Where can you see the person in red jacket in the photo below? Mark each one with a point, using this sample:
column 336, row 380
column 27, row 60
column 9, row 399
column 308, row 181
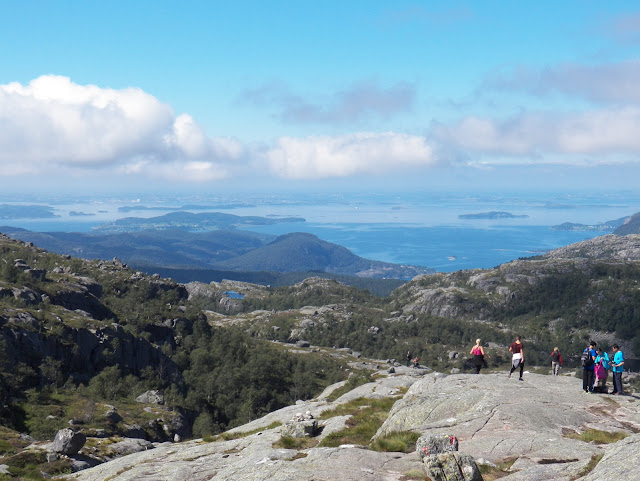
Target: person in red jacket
column 556, row 361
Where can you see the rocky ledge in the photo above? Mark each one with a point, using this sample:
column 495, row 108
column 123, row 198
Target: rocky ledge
column 534, row 426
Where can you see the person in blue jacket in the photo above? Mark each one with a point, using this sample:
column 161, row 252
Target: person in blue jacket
column 618, row 369
column 587, row 367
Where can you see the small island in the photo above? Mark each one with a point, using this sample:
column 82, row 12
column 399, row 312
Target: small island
column 493, row 215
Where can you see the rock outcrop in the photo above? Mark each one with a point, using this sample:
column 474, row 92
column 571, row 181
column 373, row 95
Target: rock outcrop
column 67, row 441
column 533, row 423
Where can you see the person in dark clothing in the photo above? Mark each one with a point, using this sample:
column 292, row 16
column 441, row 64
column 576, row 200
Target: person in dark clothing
column 517, row 360
column 408, row 358
column 588, row 363
column 556, row 361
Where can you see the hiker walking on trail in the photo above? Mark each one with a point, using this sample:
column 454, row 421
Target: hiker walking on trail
column 517, row 360
column 618, row 369
column 587, row 360
column 478, row 356
column 556, row 361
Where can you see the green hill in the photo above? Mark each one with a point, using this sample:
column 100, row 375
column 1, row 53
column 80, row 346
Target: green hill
column 630, row 226
column 306, row 252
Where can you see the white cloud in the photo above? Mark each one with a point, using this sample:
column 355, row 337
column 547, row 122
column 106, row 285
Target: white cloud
column 603, row 133
column 53, row 121
column 361, row 153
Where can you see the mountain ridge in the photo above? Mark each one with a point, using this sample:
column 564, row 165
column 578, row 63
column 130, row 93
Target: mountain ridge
column 218, row 249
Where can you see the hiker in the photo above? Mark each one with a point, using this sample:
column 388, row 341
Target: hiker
column 415, row 362
column 478, row 356
column 587, row 361
column 618, row 369
column 408, row 358
column 556, row 361
column 517, row 360
column 601, row 369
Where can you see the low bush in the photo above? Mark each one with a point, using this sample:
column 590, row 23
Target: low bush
column 399, row 441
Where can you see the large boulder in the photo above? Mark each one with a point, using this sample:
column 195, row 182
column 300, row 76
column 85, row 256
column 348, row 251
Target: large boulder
column 452, row 466
column 151, row 397
column 68, row 442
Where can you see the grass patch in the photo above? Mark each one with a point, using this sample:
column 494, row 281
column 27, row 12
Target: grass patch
column 593, row 462
column 297, row 456
column 399, row 441
column 352, row 383
column 413, row 474
column 599, row 437
column 288, row 442
column 500, row 470
column 367, row 415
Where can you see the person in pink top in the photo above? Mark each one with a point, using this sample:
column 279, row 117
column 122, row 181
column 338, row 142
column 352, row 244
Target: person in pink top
column 478, row 356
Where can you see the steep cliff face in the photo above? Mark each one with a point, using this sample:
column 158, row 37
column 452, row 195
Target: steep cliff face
column 75, row 312
column 83, row 352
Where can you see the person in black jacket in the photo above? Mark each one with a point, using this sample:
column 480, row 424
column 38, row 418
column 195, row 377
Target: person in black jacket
column 556, row 361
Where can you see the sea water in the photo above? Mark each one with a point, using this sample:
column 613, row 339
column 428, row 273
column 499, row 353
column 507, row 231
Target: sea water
column 416, row 228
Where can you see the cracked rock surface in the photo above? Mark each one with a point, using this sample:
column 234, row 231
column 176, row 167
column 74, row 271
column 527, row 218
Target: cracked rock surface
column 493, row 418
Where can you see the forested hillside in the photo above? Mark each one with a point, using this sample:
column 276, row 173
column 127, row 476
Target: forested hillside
column 80, row 340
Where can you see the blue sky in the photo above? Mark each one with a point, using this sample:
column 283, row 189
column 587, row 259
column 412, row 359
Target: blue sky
column 319, row 94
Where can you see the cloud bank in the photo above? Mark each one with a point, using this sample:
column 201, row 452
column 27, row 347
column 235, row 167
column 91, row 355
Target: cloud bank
column 54, row 122
column 361, row 153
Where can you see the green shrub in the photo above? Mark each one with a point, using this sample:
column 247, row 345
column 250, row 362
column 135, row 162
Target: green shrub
column 288, row 442
column 367, row 415
column 599, row 437
column 399, row 441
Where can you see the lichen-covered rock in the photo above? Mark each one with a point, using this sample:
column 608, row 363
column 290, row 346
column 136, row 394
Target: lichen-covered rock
column 452, row 467
column 432, row 445
column 128, row 446
column 67, row 441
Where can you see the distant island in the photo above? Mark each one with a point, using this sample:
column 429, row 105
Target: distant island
column 608, row 226
column 75, row 213
column 131, row 208
column 190, row 221
column 492, row 215
column 12, row 211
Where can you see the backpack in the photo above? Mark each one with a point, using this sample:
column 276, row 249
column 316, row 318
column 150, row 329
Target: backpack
column 586, row 360
column 600, row 371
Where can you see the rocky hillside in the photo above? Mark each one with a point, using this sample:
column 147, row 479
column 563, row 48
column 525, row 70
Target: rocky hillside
column 540, row 429
column 81, row 340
